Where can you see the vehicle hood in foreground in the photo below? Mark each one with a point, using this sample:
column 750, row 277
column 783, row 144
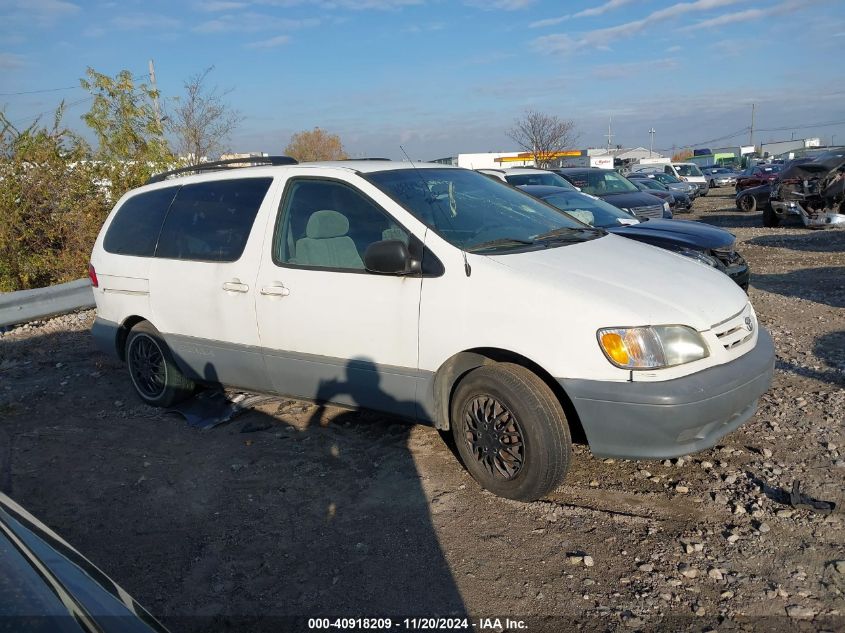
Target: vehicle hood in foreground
column 624, row 282
column 681, row 232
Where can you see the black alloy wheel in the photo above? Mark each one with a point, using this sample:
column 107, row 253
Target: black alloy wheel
column 494, row 436
column 147, row 366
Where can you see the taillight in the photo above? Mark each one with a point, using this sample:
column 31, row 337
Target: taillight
column 92, row 275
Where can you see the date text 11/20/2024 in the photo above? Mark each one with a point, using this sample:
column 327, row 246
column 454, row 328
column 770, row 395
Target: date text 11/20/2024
column 418, row 624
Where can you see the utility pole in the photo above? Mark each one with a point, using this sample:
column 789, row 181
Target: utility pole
column 651, row 147
column 155, row 89
column 609, row 134
column 751, row 131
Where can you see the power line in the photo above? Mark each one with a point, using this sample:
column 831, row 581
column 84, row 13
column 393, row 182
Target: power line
column 35, row 92
column 43, row 90
column 70, row 104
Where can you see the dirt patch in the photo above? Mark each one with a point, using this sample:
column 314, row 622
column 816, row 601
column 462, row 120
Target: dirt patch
column 330, row 512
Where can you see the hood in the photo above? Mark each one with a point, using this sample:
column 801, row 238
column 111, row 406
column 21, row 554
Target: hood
column 681, row 232
column 632, row 199
column 807, row 171
column 625, row 282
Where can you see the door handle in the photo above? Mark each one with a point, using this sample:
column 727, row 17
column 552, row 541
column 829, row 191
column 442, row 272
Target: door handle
column 275, row 291
column 235, row 285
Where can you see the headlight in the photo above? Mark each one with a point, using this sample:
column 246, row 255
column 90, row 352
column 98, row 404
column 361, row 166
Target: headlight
column 652, row 347
column 665, row 206
column 701, row 258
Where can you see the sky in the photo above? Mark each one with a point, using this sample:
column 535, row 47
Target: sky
column 442, row 77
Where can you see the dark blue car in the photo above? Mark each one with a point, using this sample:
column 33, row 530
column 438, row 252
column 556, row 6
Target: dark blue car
column 706, row 244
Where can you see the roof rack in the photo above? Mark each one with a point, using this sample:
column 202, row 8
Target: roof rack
column 374, row 158
column 229, row 163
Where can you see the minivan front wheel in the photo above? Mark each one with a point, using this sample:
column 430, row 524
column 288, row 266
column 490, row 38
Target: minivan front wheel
column 156, row 378
column 510, row 431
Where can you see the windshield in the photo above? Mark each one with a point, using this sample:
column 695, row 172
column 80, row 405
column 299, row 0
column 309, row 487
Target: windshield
column 666, row 179
column 541, row 178
column 600, row 182
column 769, row 169
column 590, row 210
column 474, row 212
column 719, row 170
column 687, row 170
column 648, row 183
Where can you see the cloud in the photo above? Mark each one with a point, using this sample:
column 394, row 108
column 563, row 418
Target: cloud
column 220, row 5
column 40, row 12
column 252, row 23
column 273, row 42
column 602, row 38
column 138, row 21
column 11, row 61
column 610, row 5
column 499, row 5
column 633, row 69
column 745, row 16
column 424, row 28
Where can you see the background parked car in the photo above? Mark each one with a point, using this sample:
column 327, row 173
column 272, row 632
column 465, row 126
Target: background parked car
column 528, row 176
column 669, row 181
column 708, row 245
column 753, row 198
column 678, row 201
column 719, row 176
column 757, row 175
column 617, row 190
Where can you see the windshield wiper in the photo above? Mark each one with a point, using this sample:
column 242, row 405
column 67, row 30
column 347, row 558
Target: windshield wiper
column 502, row 241
column 562, row 231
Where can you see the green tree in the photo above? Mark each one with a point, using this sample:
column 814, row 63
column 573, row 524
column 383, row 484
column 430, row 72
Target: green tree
column 51, row 206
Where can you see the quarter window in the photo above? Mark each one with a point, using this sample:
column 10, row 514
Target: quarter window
column 137, row 223
column 327, row 224
column 211, row 221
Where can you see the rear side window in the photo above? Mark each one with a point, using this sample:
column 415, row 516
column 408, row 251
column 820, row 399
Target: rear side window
column 211, row 221
column 137, row 223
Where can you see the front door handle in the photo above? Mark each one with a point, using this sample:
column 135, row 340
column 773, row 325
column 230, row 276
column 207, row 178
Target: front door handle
column 235, row 285
column 275, row 291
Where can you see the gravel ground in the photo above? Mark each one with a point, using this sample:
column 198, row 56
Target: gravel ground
column 293, row 509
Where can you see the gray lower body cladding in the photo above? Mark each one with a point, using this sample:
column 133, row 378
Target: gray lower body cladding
column 630, row 419
column 658, row 420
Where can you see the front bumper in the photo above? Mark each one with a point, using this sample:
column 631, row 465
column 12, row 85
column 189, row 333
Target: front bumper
column 659, row 420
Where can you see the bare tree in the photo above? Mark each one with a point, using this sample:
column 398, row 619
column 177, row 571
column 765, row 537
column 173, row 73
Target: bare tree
column 315, row 144
column 543, row 135
column 201, row 120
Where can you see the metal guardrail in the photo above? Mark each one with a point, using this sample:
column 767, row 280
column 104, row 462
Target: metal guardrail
column 41, row 303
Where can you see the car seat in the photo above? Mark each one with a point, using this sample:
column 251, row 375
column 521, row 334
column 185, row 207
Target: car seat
column 326, row 243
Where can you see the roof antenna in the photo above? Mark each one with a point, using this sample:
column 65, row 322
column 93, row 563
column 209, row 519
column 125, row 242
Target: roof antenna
column 467, row 267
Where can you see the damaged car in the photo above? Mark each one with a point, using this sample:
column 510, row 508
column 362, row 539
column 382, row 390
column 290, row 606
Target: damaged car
column 814, row 191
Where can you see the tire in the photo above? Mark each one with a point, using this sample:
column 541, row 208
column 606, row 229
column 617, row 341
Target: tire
column 154, row 374
column 712, row 184
column 526, row 415
column 770, row 218
column 748, row 204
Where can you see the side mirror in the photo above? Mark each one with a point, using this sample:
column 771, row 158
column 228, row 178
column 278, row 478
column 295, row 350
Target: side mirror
column 390, row 257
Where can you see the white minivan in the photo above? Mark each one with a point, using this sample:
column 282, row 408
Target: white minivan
column 433, row 293
column 687, row 172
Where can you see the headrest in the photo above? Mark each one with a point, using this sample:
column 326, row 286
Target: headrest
column 325, row 224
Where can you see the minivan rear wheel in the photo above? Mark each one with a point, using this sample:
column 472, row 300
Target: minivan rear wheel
column 156, row 378
column 510, row 431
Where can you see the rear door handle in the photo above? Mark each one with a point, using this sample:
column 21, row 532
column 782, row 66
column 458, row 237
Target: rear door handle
column 235, row 285
column 275, row 291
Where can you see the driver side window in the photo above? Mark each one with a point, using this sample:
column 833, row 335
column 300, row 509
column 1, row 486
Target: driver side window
column 328, row 224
